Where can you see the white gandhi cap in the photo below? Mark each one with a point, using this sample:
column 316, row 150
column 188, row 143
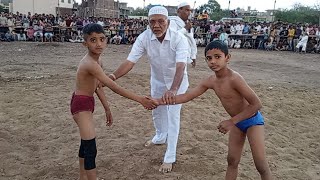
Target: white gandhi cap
column 158, row 10
column 183, row 4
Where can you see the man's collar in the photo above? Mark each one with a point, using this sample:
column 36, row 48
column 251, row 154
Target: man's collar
column 167, row 36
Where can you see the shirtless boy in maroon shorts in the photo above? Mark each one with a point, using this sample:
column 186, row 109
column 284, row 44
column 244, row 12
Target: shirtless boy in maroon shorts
column 89, row 75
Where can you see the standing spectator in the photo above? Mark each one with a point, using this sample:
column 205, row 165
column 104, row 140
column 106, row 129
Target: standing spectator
column 25, row 21
column 291, row 33
column 246, row 28
column 182, row 24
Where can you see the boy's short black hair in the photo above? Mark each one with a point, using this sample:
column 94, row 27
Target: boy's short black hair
column 92, row 28
column 217, row 44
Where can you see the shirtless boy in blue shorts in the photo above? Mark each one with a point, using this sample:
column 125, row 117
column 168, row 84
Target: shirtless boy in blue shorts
column 240, row 102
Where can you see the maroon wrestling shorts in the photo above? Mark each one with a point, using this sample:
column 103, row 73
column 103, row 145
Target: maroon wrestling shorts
column 81, row 103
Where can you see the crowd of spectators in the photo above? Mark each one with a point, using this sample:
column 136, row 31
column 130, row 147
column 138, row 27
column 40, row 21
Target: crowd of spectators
column 237, row 34
column 278, row 35
column 44, row 27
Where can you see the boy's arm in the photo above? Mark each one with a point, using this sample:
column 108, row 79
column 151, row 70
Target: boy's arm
column 189, row 95
column 247, row 93
column 104, row 102
column 96, row 70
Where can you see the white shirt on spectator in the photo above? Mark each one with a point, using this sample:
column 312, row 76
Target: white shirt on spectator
column 101, row 23
column 232, row 29
column 3, row 20
column 304, row 39
column 117, row 37
column 10, row 23
column 162, row 57
column 239, row 28
column 177, row 24
column 258, row 28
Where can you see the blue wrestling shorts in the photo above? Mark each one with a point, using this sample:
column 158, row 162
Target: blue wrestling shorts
column 255, row 120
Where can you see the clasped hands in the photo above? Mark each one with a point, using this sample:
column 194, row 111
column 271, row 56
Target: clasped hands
column 151, row 103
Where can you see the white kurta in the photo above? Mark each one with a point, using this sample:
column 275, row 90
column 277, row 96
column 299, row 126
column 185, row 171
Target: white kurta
column 177, row 24
column 163, row 58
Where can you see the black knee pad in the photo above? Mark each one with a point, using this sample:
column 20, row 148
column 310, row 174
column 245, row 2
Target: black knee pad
column 81, row 150
column 90, row 153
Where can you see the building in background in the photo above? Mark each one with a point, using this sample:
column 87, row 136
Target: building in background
column 125, row 11
column 54, row 7
column 99, row 8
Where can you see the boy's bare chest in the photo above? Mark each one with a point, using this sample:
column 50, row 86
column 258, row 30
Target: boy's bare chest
column 224, row 90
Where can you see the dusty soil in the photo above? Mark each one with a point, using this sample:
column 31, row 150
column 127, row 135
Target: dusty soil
column 39, row 139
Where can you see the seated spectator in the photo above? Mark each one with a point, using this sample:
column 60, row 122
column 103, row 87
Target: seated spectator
column 237, row 44
column 38, row 32
column 116, row 39
column 30, row 34
column 9, row 37
column 303, row 42
column 318, row 35
column 131, row 39
column 200, row 41
column 317, row 48
column 232, row 42
column 269, row 44
column 247, row 45
column 21, row 36
column 48, row 33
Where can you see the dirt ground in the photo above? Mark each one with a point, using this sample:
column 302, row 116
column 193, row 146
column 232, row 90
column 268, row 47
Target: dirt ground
column 39, row 139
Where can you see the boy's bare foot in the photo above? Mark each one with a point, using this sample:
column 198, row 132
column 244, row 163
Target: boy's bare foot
column 166, row 167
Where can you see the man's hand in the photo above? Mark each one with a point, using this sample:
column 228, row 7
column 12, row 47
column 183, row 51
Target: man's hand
column 109, row 117
column 112, row 76
column 149, row 103
column 169, row 97
column 225, row 126
column 193, row 63
column 188, row 26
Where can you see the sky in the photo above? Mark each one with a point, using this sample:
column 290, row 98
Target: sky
column 260, row 5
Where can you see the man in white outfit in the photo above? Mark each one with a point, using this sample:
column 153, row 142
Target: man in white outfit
column 181, row 24
column 303, row 42
column 167, row 52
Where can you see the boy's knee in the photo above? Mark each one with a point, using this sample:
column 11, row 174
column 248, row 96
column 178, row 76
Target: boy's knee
column 89, row 152
column 262, row 167
column 233, row 161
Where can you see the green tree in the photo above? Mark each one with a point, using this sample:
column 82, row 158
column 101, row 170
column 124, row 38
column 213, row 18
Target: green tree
column 1, row 8
column 139, row 12
column 214, row 10
column 211, row 6
column 299, row 13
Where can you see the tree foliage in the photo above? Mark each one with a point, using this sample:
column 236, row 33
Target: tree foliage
column 139, row 12
column 214, row 10
column 211, row 6
column 1, row 8
column 299, row 13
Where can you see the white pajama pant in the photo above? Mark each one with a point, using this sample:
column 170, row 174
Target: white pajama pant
column 304, row 46
column 166, row 121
